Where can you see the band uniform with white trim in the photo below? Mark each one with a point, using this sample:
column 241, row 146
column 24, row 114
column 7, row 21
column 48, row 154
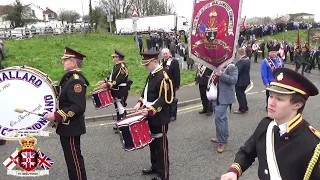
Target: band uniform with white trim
column 297, row 150
column 159, row 96
column 297, row 145
column 117, row 82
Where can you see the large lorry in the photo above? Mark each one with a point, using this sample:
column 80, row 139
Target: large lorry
column 166, row 22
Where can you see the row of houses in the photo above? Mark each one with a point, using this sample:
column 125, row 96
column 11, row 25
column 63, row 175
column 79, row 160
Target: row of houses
column 39, row 14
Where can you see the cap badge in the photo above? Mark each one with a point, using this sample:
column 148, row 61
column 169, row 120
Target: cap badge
column 280, row 77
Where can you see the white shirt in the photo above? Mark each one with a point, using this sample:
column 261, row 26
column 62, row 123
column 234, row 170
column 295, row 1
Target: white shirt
column 283, row 128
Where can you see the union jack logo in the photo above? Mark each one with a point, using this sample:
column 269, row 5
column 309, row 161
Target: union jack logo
column 28, row 160
column 44, row 162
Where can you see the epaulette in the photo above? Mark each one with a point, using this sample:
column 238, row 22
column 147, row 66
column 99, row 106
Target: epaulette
column 123, row 69
column 76, row 76
column 314, row 131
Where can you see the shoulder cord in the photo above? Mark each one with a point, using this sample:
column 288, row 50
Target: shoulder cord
column 312, row 163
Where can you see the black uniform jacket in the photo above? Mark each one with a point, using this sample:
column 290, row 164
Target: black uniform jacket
column 72, row 104
column 160, row 91
column 173, row 71
column 294, row 151
column 203, row 75
column 119, row 78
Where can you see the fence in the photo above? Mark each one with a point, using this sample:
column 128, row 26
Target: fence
column 22, row 33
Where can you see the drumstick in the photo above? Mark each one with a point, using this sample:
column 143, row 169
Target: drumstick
column 136, row 113
column 131, row 109
column 20, row 109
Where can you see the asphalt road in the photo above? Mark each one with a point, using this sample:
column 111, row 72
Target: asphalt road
column 192, row 155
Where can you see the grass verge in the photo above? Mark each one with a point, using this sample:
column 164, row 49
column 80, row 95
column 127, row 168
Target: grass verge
column 44, row 53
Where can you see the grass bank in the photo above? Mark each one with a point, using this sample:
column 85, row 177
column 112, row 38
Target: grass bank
column 44, row 53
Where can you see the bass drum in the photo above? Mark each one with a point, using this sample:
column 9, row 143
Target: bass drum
column 28, row 88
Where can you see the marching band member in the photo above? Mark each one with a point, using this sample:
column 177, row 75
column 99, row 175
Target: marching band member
column 117, row 83
column 70, row 116
column 155, row 100
column 269, row 64
column 172, row 68
column 287, row 146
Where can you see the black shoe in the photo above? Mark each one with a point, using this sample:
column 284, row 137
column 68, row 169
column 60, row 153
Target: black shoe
column 3, row 142
column 209, row 113
column 115, row 128
column 149, row 171
column 203, row 112
column 173, row 118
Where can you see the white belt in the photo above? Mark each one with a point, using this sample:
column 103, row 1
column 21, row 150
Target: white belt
column 123, row 84
column 159, row 135
column 270, row 152
column 148, row 104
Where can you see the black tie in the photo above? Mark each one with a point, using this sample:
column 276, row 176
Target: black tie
column 276, row 131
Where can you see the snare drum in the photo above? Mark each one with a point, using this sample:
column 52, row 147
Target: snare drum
column 102, row 98
column 134, row 132
column 30, row 88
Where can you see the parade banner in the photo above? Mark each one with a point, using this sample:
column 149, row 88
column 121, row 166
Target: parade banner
column 215, row 29
column 313, row 36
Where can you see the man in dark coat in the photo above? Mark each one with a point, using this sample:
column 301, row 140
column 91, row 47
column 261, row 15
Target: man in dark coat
column 243, row 66
column 172, row 68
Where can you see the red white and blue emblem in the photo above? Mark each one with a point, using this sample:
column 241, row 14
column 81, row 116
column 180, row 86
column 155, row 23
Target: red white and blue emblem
column 28, row 159
column 44, row 162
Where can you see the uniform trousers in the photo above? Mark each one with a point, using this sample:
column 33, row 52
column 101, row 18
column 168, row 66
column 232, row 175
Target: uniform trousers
column 74, row 159
column 159, row 151
column 119, row 104
column 174, row 106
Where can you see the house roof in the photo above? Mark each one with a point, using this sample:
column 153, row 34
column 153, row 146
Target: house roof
column 301, row 14
column 48, row 11
column 2, row 8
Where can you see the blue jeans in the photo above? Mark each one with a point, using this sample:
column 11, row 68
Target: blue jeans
column 221, row 122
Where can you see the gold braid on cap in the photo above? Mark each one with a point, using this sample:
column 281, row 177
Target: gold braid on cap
column 165, row 86
column 312, row 163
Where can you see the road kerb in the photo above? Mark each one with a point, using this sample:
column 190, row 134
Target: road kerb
column 111, row 116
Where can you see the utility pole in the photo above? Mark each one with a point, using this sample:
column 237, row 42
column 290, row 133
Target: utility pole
column 82, row 12
column 109, row 19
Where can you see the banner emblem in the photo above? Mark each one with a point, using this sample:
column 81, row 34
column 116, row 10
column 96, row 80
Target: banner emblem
column 214, row 32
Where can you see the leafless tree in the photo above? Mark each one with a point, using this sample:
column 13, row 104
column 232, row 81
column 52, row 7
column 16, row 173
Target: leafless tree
column 62, row 15
column 124, row 8
column 72, row 16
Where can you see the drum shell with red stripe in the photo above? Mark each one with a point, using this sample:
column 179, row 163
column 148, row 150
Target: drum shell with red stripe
column 102, row 98
column 134, row 132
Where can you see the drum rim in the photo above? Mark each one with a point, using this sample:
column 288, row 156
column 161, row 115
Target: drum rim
column 130, row 123
column 40, row 73
column 48, row 81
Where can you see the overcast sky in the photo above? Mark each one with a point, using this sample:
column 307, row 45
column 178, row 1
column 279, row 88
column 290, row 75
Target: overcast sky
column 250, row 8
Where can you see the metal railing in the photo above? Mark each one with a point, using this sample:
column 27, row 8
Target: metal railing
column 29, row 33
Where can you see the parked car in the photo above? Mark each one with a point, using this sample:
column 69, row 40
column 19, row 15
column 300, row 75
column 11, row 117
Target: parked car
column 2, row 51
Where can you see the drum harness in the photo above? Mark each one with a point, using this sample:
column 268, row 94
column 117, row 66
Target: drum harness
column 148, row 104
